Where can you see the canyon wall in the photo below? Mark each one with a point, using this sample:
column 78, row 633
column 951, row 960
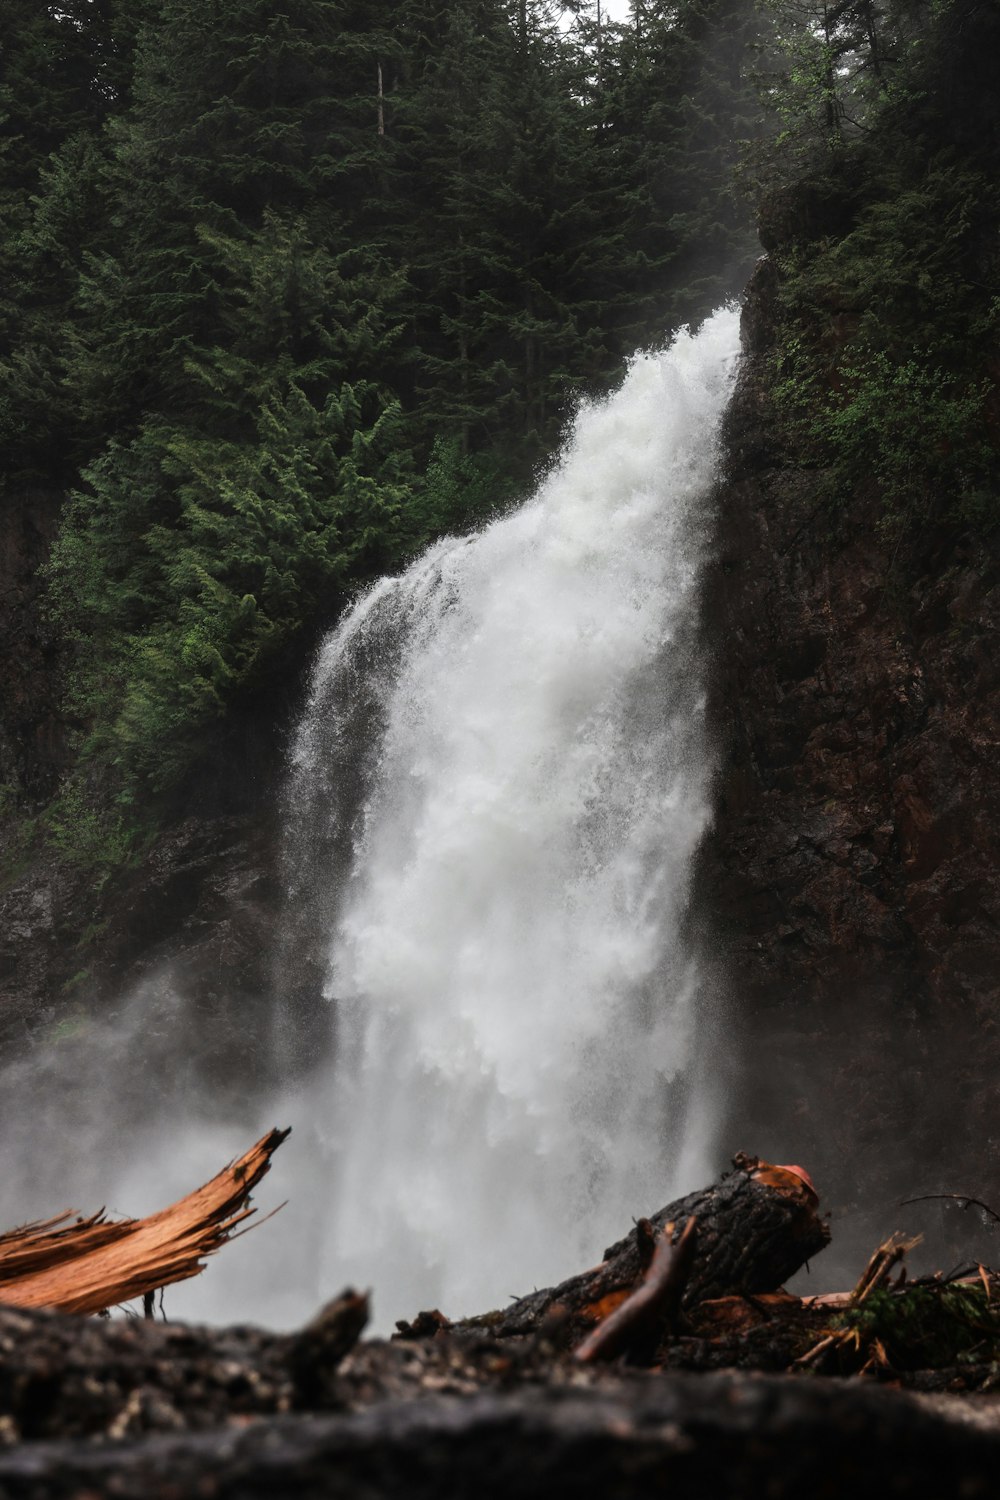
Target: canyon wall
column 854, row 871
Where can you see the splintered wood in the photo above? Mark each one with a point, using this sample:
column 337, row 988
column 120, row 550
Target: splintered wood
column 92, row 1263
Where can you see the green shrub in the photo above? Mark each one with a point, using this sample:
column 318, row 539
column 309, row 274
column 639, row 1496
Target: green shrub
column 882, row 372
column 929, row 1327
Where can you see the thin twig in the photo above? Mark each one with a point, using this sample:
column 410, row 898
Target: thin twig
column 962, row 1198
column 640, row 1319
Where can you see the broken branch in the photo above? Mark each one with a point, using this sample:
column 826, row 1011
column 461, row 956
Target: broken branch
column 637, row 1326
column 94, row 1263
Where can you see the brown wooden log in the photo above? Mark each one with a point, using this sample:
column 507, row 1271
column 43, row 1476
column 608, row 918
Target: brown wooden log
column 756, row 1227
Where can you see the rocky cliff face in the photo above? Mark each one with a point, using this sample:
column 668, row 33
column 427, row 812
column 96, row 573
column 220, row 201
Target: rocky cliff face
column 855, row 866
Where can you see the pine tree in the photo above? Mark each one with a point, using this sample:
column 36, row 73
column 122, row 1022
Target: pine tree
column 499, row 244
column 677, row 107
column 292, row 289
column 66, row 69
column 197, row 550
column 831, row 68
column 232, row 347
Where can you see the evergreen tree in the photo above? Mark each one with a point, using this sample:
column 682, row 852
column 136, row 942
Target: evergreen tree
column 831, row 68
column 289, row 290
column 500, row 243
column 197, row 550
column 677, row 107
column 65, row 69
column 231, row 347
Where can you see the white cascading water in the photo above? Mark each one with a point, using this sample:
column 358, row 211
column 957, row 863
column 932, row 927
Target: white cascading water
column 503, row 870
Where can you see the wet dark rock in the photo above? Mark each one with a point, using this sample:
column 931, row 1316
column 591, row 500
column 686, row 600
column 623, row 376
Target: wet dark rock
column 854, row 871
column 196, row 918
column 204, row 899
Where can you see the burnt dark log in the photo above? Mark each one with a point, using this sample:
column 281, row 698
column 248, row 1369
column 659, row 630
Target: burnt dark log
column 315, row 1354
column 70, row 1377
column 65, row 1376
column 731, row 1436
column 756, row 1227
column 156, row 1411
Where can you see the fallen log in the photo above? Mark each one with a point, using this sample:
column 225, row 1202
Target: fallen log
column 84, row 1265
column 756, row 1226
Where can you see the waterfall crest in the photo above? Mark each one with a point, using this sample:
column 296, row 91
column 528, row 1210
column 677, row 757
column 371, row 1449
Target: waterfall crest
column 495, row 796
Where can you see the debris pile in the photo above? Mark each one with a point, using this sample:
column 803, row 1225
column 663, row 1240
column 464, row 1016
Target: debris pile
column 639, row 1374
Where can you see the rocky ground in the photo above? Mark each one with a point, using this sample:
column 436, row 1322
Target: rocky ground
column 141, row 1409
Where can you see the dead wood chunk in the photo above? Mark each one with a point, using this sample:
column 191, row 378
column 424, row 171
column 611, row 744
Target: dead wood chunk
column 756, row 1226
column 646, row 1239
column 424, row 1326
column 314, row 1353
column 719, row 1316
column 91, row 1264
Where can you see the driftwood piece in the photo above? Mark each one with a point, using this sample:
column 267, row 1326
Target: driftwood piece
column 92, row 1263
column 756, row 1226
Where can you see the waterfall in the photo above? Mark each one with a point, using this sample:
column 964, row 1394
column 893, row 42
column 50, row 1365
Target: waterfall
column 495, row 797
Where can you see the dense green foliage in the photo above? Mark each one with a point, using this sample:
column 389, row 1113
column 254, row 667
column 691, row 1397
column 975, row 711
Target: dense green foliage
column 291, row 290
column 288, row 291
column 887, row 249
column 927, row 1327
